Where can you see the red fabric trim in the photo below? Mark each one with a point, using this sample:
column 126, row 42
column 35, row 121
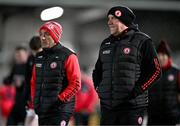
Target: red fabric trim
column 178, row 80
column 154, row 76
column 33, row 82
column 74, row 78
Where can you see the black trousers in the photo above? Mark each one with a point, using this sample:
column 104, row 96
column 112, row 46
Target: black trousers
column 162, row 119
column 57, row 114
column 81, row 119
column 62, row 119
column 122, row 117
column 17, row 115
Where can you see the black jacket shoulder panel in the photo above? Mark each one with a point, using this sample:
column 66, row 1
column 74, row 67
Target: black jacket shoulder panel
column 106, row 40
column 143, row 35
column 175, row 67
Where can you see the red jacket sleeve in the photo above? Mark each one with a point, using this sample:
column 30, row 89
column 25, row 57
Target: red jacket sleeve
column 179, row 81
column 92, row 97
column 33, row 82
column 73, row 74
column 86, row 98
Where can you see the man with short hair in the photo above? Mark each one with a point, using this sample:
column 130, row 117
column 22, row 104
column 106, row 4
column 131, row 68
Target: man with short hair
column 35, row 46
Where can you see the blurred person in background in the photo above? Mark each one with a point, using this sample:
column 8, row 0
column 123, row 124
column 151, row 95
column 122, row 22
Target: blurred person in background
column 17, row 78
column 35, row 47
column 7, row 99
column 55, row 79
column 164, row 105
column 86, row 101
column 126, row 68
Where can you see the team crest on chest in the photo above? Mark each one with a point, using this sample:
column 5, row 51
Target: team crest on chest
column 140, row 120
column 63, row 123
column 170, row 77
column 126, row 50
column 53, row 65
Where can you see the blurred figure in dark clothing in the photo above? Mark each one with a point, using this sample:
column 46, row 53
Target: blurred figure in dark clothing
column 17, row 78
column 35, row 46
column 164, row 106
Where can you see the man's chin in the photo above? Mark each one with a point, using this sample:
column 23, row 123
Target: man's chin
column 112, row 31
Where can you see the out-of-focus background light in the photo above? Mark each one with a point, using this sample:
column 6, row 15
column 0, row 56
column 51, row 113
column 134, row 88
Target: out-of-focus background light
column 51, row 13
column 84, row 25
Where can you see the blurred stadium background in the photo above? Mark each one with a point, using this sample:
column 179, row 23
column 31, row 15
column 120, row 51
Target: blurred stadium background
column 84, row 25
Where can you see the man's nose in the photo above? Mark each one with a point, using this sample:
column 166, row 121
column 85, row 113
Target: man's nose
column 43, row 37
column 109, row 22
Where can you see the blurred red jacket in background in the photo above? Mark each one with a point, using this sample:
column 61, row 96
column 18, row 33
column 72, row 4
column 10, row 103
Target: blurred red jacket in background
column 7, row 99
column 86, row 98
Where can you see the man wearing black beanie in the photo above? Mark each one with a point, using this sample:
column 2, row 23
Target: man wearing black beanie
column 126, row 68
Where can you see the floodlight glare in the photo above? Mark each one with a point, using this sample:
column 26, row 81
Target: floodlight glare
column 51, row 13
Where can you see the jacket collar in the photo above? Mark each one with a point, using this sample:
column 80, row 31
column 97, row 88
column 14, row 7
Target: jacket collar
column 52, row 49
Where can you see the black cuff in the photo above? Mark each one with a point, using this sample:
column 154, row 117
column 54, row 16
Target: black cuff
column 59, row 102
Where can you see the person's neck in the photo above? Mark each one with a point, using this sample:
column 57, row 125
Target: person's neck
column 167, row 65
column 121, row 32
